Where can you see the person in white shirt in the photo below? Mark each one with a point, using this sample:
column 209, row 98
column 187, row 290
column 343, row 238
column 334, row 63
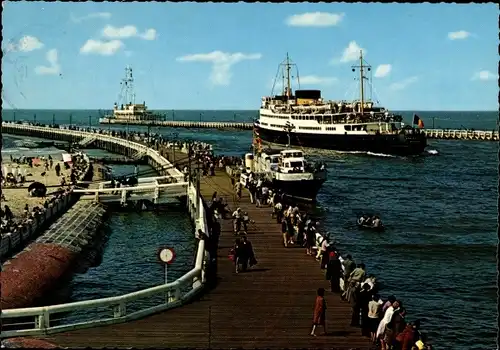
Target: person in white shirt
column 383, row 323
column 374, row 309
column 237, row 221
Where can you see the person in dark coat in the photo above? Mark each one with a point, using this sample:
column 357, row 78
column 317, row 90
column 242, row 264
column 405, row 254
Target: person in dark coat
column 349, row 266
column 310, row 239
column 300, row 230
column 360, row 300
column 333, row 272
column 365, row 295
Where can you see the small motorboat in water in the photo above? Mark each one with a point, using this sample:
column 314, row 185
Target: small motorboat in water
column 370, row 223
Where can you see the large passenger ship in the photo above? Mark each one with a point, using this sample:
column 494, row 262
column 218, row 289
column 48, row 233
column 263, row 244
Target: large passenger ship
column 305, row 119
column 128, row 110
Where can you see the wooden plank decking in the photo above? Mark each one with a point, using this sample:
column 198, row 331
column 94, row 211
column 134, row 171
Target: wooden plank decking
column 269, row 307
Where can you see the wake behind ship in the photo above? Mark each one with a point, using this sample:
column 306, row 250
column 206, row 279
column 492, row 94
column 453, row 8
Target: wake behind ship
column 305, row 119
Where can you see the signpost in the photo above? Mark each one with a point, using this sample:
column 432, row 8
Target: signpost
column 166, row 255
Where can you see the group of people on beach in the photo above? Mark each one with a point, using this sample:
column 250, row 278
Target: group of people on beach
column 10, row 222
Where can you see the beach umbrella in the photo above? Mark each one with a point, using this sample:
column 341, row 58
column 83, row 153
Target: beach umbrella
column 37, row 189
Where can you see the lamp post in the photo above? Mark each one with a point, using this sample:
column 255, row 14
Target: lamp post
column 197, row 185
column 70, row 120
column 175, row 135
column 34, row 118
column 53, row 119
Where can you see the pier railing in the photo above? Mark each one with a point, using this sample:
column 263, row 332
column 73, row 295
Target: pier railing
column 154, row 192
column 137, row 147
column 461, row 134
column 44, row 319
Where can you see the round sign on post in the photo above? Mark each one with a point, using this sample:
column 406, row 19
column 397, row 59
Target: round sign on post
column 166, row 255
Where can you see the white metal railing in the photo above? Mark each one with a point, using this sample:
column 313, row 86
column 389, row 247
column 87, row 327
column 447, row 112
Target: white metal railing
column 43, row 320
column 155, row 190
column 473, row 134
column 167, row 166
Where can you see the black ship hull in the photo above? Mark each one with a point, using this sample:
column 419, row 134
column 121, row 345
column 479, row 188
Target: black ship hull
column 305, row 190
column 404, row 144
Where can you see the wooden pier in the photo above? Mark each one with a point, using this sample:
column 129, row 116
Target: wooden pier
column 184, row 124
column 269, row 307
column 443, row 134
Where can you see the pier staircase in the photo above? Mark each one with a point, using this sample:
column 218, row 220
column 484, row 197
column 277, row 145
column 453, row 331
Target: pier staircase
column 139, row 155
column 87, row 141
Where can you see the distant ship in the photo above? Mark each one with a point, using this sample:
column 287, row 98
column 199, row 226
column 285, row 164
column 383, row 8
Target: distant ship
column 130, row 111
column 305, row 119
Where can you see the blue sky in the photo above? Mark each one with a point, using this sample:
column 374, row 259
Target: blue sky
column 225, row 56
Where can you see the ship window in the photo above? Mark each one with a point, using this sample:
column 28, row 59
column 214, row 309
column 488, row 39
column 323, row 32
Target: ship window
column 297, row 154
column 296, row 164
column 347, row 127
column 331, row 128
column 309, row 127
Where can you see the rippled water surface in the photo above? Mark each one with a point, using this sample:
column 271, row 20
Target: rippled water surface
column 438, row 253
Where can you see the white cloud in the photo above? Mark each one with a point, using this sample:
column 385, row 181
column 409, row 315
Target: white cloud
column 98, row 47
column 484, row 75
column 461, row 34
column 111, row 32
column 54, row 67
column 128, row 31
column 404, row 83
column 315, row 19
column 221, row 63
column 103, row 15
column 149, row 34
column 350, row 53
column 383, row 70
column 26, row 44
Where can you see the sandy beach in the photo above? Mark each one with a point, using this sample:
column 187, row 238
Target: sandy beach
column 17, row 197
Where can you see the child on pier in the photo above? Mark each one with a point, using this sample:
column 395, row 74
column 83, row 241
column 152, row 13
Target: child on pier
column 319, row 316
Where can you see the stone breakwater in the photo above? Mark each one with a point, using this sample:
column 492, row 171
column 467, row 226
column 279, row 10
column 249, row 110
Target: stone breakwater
column 32, row 273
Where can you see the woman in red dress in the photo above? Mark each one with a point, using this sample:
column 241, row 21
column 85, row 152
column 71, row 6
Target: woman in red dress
column 319, row 316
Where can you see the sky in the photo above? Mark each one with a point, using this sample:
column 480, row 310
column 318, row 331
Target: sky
column 225, row 56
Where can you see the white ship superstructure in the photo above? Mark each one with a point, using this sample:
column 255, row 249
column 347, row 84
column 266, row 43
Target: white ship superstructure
column 304, row 118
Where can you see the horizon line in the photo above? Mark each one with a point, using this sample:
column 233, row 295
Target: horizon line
column 241, row 110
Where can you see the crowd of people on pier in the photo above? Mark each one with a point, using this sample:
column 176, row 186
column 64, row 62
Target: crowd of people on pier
column 383, row 321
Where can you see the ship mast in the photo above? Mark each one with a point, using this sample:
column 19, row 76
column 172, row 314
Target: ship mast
column 284, row 72
column 288, row 83
column 362, row 78
column 127, row 84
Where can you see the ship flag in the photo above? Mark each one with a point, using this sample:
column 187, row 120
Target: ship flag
column 418, row 121
column 256, row 138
